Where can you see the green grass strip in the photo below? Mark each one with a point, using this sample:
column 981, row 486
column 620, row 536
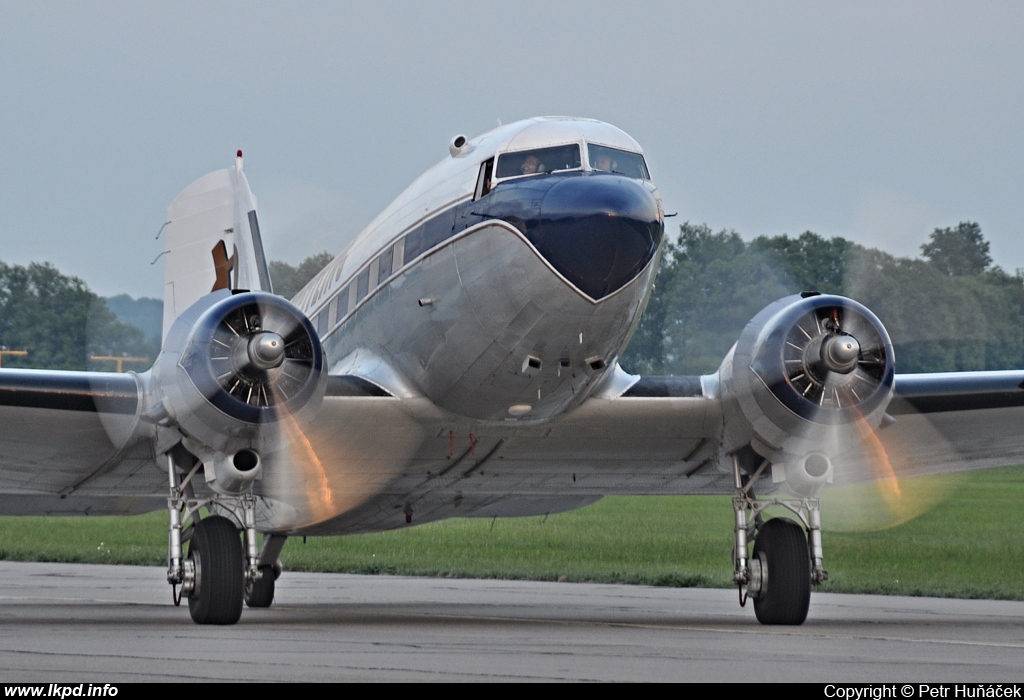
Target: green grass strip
column 965, row 546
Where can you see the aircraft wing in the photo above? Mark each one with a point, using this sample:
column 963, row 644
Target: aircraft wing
column 660, row 436
column 69, row 444
column 72, row 443
column 955, row 421
column 373, row 461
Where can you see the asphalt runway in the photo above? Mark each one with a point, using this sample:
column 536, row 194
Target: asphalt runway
column 105, row 624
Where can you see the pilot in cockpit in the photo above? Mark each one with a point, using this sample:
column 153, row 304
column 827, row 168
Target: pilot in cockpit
column 530, row 165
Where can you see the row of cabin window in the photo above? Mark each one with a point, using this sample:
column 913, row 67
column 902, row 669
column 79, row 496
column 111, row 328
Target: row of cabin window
column 370, row 277
column 430, row 233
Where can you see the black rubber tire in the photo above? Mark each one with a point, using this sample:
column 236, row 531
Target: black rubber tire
column 788, row 592
column 216, row 550
column 261, row 593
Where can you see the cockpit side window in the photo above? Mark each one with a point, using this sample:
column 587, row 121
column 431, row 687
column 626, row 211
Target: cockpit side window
column 483, row 179
column 613, row 160
column 538, row 160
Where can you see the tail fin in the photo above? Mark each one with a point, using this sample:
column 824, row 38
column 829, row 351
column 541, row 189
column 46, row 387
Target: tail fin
column 213, row 241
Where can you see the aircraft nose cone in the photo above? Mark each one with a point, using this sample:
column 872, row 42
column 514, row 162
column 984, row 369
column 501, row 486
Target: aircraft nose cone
column 599, row 231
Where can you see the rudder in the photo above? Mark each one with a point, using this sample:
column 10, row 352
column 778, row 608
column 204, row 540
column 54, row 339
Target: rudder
column 213, row 241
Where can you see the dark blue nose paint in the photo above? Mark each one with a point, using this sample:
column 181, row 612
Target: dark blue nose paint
column 599, row 230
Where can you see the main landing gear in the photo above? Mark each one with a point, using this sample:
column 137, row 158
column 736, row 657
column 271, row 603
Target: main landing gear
column 779, row 575
column 217, row 575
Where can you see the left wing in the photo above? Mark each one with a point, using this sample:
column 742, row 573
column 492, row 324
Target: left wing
column 955, row 422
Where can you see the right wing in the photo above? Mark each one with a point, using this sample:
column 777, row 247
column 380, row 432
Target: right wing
column 71, row 444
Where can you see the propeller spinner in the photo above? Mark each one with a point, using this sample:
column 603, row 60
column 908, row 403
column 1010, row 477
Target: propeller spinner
column 834, row 356
column 261, row 355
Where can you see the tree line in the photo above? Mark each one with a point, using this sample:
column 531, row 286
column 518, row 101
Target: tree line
column 61, row 323
column 948, row 310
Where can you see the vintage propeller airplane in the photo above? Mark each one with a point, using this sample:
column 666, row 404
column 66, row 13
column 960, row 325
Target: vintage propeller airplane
column 460, row 359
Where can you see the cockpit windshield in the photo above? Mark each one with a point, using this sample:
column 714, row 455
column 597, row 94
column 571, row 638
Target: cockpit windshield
column 538, row 160
column 613, row 160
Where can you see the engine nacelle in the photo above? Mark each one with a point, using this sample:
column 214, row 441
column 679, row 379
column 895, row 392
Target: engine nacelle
column 810, row 376
column 239, row 373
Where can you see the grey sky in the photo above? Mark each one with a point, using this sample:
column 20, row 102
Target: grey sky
column 874, row 121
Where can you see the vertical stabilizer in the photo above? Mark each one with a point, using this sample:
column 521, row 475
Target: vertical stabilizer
column 213, row 241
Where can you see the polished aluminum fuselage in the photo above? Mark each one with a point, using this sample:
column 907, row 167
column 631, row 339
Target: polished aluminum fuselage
column 484, row 328
column 476, row 319
column 455, row 312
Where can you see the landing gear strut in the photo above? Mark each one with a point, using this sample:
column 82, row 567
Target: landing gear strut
column 216, row 575
column 779, row 575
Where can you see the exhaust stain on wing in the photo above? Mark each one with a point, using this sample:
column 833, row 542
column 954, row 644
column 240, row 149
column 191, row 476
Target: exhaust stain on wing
column 321, row 504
